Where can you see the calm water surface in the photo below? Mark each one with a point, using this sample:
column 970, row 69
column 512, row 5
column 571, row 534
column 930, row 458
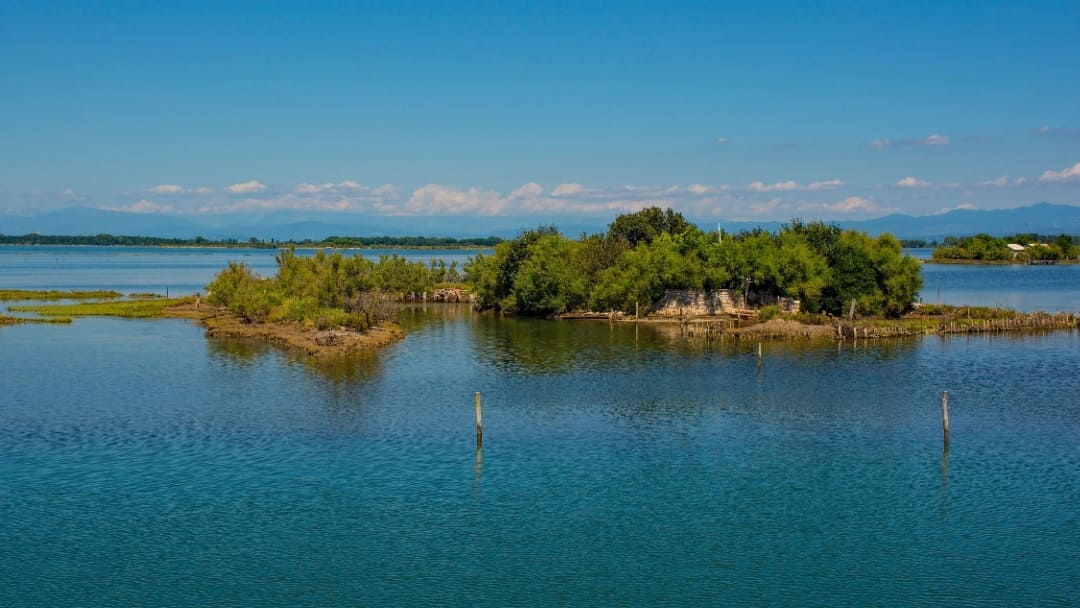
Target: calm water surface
column 145, row 465
column 178, row 271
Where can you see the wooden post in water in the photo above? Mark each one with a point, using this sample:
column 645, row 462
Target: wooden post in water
column 944, row 416
column 479, row 423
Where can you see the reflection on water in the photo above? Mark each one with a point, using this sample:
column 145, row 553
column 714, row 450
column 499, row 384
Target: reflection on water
column 235, row 352
column 157, row 467
column 536, row 346
column 356, row 369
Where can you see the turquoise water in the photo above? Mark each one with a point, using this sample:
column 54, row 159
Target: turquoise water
column 1028, row 288
column 146, row 465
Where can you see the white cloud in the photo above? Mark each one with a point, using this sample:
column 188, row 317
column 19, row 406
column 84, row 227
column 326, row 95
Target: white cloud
column 722, row 141
column 911, row 182
column 854, row 204
column 346, row 196
column 792, row 186
column 825, row 185
column 530, row 190
column 246, row 187
column 785, row 199
column 1068, row 174
column 1003, row 182
column 777, row 187
column 435, row 199
column 385, row 191
column 167, row 189
column 142, row 206
column 961, row 206
column 307, row 188
column 567, row 189
column 203, row 190
column 934, row 139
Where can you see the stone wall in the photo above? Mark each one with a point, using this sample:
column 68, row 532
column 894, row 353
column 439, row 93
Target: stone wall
column 680, row 302
column 695, row 303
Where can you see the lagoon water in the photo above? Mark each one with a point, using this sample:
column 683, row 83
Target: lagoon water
column 143, row 464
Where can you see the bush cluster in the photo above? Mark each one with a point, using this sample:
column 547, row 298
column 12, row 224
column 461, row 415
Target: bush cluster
column 325, row 290
column 542, row 272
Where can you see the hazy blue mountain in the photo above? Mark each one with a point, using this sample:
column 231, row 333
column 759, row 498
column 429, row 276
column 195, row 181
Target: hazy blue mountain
column 86, row 220
column 1043, row 218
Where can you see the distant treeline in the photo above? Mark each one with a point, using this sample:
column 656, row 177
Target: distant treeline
column 917, row 243
column 253, row 242
column 986, row 248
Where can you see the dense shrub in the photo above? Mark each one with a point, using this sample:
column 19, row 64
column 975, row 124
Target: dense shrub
column 325, row 290
column 644, row 254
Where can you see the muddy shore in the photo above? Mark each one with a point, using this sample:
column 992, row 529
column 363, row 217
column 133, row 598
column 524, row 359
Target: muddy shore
column 290, row 336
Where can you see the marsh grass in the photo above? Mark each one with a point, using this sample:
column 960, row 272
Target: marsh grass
column 7, row 320
column 8, row 295
column 132, row 309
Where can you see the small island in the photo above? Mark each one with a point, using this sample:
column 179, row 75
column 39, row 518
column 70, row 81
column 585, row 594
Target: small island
column 1015, row 249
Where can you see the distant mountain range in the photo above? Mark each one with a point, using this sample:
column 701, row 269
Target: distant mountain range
column 1041, row 218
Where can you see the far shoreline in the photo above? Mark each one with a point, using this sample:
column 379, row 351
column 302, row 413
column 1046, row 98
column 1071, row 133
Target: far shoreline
column 999, row 262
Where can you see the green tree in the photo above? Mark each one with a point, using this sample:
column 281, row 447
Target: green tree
column 546, row 281
column 645, row 225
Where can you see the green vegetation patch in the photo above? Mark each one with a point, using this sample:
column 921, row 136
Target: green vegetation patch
column 135, row 309
column 31, row 294
column 981, row 313
column 9, row 320
column 644, row 254
column 993, row 250
column 327, row 290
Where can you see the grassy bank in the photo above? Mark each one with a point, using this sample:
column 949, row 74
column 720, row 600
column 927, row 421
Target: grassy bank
column 9, row 320
column 308, row 339
column 9, row 295
column 130, row 309
column 927, row 320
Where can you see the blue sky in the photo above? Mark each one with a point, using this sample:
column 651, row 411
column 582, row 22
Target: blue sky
column 728, row 111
